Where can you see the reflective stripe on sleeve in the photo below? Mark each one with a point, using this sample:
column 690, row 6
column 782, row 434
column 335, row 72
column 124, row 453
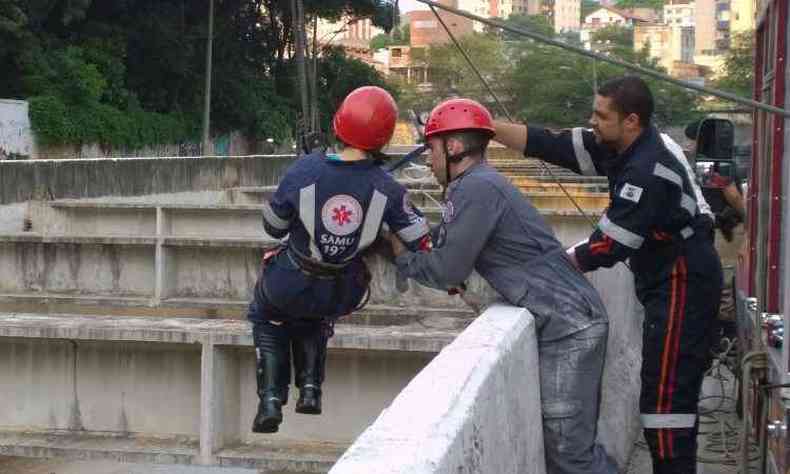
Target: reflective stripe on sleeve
column 414, row 232
column 586, row 166
column 373, row 218
column 663, row 172
column 689, row 204
column 677, row 152
column 273, row 219
column 620, row 234
column 307, row 216
column 668, row 420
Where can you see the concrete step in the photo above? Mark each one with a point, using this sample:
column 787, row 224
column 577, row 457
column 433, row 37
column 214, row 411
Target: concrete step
column 20, row 465
column 99, row 446
column 276, row 456
column 171, row 455
column 212, row 308
column 558, row 201
column 531, row 185
column 411, row 337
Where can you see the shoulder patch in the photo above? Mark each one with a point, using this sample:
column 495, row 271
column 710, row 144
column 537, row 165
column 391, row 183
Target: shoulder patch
column 341, row 214
column 631, row 192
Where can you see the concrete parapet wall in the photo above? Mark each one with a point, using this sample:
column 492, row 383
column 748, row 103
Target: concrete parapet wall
column 57, row 179
column 618, row 424
column 88, row 178
column 474, row 409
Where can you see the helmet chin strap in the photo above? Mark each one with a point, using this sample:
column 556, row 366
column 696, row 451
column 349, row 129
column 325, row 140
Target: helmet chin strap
column 448, row 158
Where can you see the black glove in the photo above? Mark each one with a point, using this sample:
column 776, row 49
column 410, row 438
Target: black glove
column 726, row 221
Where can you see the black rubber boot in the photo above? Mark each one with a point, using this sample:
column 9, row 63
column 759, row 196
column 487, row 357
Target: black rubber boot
column 273, row 375
column 309, row 352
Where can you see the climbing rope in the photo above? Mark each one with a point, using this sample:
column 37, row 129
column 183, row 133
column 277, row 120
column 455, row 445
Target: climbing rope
column 502, row 107
column 613, row 60
column 505, row 111
column 718, row 425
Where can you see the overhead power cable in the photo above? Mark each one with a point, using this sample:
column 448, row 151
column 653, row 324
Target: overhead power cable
column 507, row 114
column 619, row 62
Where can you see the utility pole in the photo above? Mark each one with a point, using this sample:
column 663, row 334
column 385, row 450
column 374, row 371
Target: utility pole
column 300, row 38
column 395, row 19
column 207, row 98
column 314, row 85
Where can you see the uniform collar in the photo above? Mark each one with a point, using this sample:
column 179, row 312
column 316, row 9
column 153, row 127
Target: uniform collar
column 334, row 159
column 647, row 135
column 617, row 161
column 474, row 168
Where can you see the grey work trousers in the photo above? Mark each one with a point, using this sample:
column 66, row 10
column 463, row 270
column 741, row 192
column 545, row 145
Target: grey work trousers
column 570, row 387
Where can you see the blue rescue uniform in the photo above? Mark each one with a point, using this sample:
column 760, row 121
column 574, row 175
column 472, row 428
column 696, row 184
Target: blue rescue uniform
column 658, row 220
column 331, row 211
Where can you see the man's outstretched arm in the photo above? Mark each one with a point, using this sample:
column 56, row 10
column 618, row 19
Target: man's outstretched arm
column 572, row 148
column 512, row 135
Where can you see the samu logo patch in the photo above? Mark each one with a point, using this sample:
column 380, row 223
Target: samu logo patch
column 631, row 192
column 341, row 214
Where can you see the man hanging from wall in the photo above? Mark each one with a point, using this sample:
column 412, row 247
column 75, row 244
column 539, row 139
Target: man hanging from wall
column 658, row 219
column 332, row 207
column 489, row 226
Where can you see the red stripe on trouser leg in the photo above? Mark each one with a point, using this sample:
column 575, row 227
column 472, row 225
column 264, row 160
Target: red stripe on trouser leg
column 680, row 313
column 665, row 362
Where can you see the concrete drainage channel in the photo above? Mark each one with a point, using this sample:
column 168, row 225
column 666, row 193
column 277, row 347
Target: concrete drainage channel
column 10, row 465
column 122, row 339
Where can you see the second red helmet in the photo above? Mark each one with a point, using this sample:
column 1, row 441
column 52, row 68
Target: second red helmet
column 457, row 115
column 366, row 118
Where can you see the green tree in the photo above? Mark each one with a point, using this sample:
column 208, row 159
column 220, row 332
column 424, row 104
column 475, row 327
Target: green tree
column 339, row 75
column 533, row 23
column 131, row 72
column 654, row 4
column 14, row 38
column 550, row 86
column 450, row 73
column 13, row 25
column 615, row 36
column 381, row 41
column 399, row 36
column 738, row 70
column 556, row 87
column 589, row 6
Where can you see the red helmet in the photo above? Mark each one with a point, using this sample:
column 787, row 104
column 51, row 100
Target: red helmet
column 455, row 115
column 366, row 118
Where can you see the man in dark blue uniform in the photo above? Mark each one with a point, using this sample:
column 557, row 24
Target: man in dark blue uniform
column 489, row 226
column 658, row 219
column 332, row 207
